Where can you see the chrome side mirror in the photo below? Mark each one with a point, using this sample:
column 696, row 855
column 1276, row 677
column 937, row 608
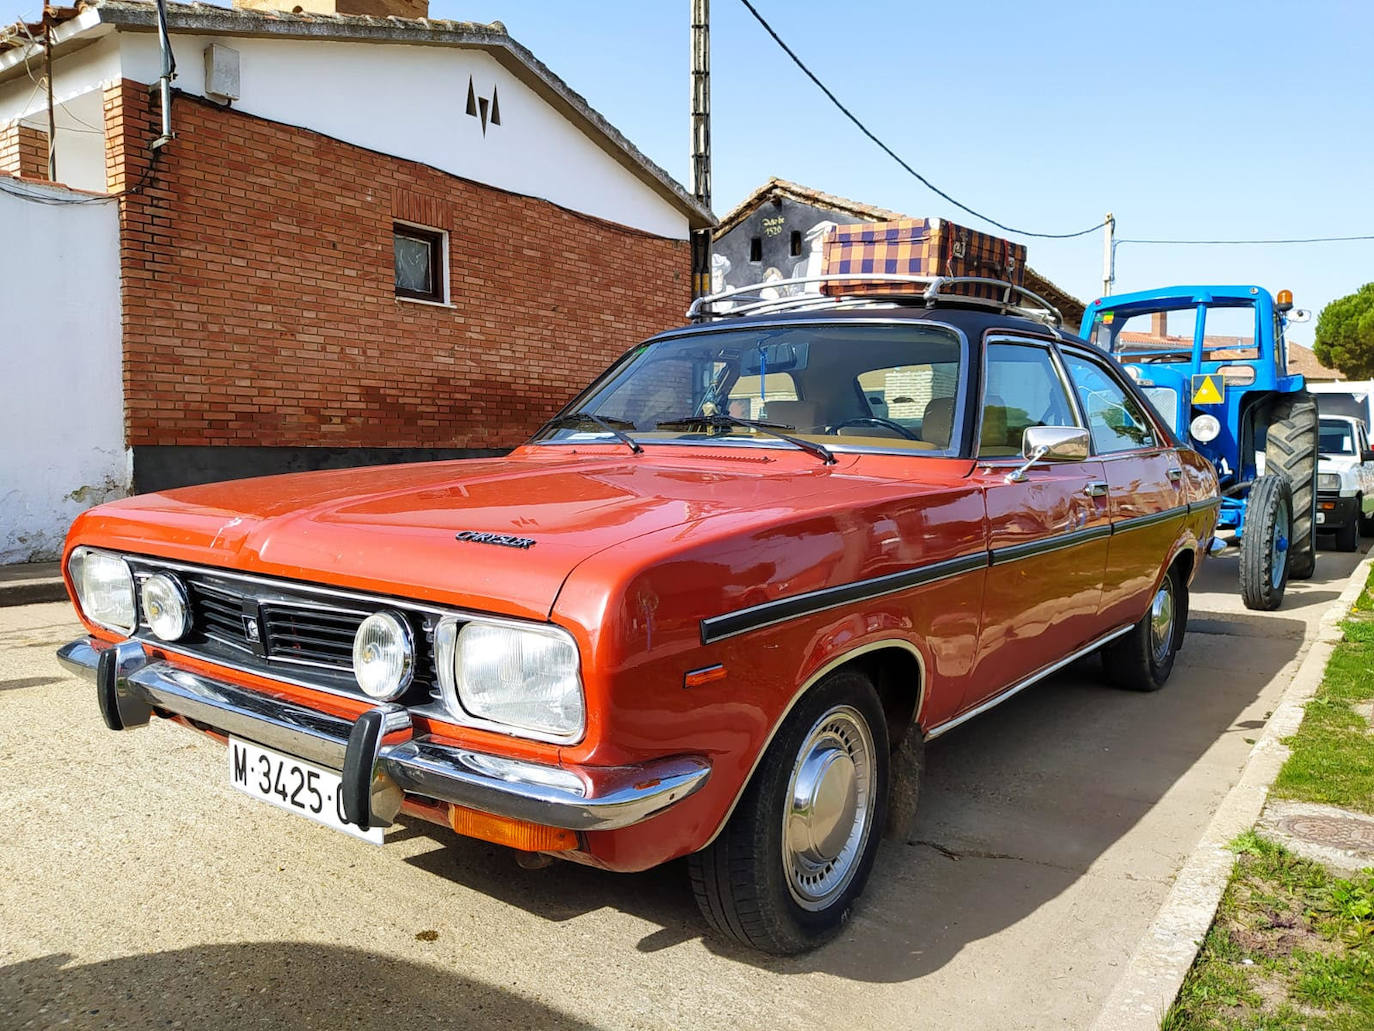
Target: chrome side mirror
column 1050, row 444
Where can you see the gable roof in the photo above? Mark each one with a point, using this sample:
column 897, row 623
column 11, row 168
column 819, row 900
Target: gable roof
column 1069, row 306
column 74, row 25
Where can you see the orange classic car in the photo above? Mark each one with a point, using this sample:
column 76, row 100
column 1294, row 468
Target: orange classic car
column 712, row 609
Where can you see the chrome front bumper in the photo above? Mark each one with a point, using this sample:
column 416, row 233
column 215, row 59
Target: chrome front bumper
column 381, row 757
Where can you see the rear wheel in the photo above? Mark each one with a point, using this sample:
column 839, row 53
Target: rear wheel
column 1366, row 521
column 1291, row 450
column 784, row 873
column 1264, row 545
column 1143, row 659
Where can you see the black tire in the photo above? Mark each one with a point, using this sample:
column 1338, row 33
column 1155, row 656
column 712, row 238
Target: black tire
column 1348, row 536
column 742, row 881
column 1143, row 659
column 1268, row 515
column 1291, row 450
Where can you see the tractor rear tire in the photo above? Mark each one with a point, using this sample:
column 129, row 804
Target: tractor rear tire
column 1266, row 543
column 1291, row 449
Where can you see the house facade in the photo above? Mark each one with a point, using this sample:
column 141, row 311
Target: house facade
column 368, row 239
column 778, row 230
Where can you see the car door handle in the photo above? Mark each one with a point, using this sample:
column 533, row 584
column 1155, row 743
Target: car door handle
column 1175, row 475
column 1096, row 489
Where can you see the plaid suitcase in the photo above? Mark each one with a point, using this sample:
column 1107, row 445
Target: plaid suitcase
column 919, row 247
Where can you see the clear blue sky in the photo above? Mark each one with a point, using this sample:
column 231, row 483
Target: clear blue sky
column 1209, row 118
column 1197, row 119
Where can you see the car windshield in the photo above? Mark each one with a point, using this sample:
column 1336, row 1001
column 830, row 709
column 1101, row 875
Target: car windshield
column 1337, row 438
column 888, row 386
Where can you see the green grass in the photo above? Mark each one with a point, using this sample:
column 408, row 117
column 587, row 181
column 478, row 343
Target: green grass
column 1333, row 751
column 1291, row 948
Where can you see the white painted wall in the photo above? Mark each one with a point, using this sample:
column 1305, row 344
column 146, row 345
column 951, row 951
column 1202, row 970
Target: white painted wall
column 61, row 397
column 409, row 101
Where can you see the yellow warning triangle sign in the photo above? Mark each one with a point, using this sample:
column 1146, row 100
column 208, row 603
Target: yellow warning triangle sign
column 1205, row 391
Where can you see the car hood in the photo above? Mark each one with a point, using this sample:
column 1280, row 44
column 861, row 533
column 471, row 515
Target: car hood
column 416, row 531
column 1336, row 463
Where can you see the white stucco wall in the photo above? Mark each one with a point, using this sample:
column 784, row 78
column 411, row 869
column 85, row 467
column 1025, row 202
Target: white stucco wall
column 410, row 101
column 61, row 396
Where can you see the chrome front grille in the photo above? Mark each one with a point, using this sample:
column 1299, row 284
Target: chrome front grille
column 297, row 632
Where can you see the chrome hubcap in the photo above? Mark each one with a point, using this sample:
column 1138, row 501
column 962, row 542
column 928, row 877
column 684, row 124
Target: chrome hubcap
column 829, row 808
column 1162, row 621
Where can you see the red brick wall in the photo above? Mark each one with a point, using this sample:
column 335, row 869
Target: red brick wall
column 259, row 300
column 23, row 151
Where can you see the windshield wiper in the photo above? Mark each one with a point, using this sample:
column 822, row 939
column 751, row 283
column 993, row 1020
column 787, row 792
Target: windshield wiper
column 580, row 418
column 720, row 421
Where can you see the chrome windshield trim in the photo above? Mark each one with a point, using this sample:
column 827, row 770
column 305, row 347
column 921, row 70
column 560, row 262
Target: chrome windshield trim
column 731, row 624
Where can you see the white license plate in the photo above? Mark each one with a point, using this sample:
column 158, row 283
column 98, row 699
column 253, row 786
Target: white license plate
column 292, row 784
column 1321, row 517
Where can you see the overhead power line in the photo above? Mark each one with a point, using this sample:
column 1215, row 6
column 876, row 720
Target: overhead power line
column 893, row 154
column 1204, row 243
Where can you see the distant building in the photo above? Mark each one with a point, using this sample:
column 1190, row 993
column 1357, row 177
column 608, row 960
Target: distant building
column 775, row 232
column 373, row 237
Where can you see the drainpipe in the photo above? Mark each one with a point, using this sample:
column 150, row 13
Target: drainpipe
column 47, row 76
column 169, row 71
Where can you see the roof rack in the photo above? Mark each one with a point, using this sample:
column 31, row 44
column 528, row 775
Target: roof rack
column 788, row 296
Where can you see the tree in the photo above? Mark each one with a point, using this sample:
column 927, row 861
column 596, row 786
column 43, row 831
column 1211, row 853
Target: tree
column 1345, row 334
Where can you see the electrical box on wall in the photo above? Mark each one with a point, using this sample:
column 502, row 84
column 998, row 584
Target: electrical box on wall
column 222, row 72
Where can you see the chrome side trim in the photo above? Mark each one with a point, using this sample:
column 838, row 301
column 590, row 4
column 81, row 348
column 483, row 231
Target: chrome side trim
column 810, row 682
column 1020, row 686
column 1202, row 506
column 580, row 798
column 1014, row 552
column 1137, row 522
column 717, row 628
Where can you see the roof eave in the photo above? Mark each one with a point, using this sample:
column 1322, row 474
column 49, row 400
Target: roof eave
column 492, row 39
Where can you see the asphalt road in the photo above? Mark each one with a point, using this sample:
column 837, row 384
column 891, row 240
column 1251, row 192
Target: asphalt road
column 140, row 890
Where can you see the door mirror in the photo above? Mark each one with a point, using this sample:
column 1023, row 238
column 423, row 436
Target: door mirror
column 1050, row 444
column 1054, row 444
column 1367, row 456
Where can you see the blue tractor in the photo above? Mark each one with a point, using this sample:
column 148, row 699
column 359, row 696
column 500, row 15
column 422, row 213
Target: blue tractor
column 1213, row 361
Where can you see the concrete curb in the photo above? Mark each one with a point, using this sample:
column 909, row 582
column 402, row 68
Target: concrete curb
column 1156, row 970
column 28, row 583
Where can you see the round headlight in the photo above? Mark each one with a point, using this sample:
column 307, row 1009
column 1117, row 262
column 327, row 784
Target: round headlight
column 104, row 588
column 1205, row 428
column 383, row 656
column 164, row 607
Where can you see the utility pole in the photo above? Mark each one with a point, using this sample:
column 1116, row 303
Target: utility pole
column 1108, row 253
column 701, row 140
column 47, row 76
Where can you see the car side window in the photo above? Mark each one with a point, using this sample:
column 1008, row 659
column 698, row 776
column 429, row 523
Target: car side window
column 1023, row 388
column 1115, row 418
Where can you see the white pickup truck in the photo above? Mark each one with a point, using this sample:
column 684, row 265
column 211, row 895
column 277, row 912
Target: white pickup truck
column 1345, row 481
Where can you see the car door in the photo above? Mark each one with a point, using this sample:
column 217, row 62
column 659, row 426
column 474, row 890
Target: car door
column 1047, row 530
column 1144, row 487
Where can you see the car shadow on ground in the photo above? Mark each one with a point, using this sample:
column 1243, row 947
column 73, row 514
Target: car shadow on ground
column 259, row 985
column 1016, row 807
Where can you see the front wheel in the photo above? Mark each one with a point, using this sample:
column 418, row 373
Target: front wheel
column 1264, row 544
column 784, row 873
column 1143, row 659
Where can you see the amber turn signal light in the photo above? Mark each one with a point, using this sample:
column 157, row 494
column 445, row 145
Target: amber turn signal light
column 502, row 830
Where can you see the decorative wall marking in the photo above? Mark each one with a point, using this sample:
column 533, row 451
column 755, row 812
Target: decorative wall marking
column 487, row 109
